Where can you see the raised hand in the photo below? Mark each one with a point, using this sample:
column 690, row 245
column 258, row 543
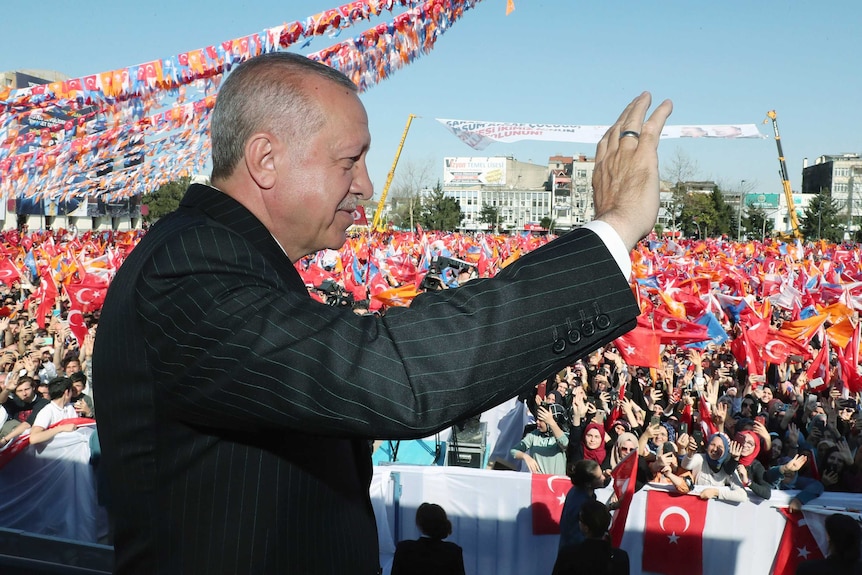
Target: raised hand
column 625, row 178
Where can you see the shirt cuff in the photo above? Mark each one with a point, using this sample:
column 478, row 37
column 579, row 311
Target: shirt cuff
column 614, row 243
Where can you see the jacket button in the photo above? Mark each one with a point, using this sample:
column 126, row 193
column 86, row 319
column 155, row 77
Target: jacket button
column 603, row 321
column 574, row 336
column 559, row 345
column 587, row 328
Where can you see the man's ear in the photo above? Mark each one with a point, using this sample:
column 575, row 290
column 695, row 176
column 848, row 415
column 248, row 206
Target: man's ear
column 260, row 152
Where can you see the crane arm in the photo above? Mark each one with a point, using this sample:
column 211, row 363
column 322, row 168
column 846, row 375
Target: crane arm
column 379, row 213
column 785, row 179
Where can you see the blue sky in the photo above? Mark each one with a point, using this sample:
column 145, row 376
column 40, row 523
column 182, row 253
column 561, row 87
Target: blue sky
column 550, row 61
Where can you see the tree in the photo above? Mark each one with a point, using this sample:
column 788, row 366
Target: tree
column 698, row 217
column 439, row 212
column 757, row 224
column 723, row 213
column 547, row 223
column 405, row 197
column 165, row 199
column 490, row 215
column 820, row 219
column 680, row 169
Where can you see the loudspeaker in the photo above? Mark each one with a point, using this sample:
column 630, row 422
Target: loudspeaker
column 467, row 443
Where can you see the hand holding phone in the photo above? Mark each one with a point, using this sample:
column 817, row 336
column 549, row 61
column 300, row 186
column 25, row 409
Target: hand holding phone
column 541, row 389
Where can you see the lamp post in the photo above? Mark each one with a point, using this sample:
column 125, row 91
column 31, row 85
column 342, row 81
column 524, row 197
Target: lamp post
column 694, row 221
column 742, row 194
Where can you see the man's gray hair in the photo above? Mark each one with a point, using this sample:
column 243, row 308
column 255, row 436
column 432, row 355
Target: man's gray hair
column 266, row 93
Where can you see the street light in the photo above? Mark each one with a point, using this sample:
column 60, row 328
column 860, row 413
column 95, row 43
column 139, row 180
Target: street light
column 694, row 221
column 742, row 194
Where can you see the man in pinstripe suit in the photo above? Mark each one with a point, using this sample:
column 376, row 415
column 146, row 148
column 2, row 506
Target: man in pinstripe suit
column 235, row 412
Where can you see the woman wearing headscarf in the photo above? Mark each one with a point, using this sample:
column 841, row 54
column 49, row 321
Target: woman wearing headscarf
column 713, row 470
column 751, row 473
column 593, row 445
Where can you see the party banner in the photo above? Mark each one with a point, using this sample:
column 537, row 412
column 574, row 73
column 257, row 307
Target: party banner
column 479, row 135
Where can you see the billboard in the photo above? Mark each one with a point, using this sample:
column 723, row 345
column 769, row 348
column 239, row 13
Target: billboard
column 474, row 171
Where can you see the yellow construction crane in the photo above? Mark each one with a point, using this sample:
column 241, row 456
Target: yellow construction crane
column 379, row 213
column 785, row 180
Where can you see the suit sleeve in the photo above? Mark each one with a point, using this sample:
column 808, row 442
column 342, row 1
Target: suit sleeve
column 232, row 344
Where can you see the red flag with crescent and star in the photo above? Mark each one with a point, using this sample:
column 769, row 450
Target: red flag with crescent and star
column 673, row 537
column 797, row 544
column 548, row 496
column 625, row 477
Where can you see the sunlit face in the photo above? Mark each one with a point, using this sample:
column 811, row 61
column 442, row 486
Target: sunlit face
column 562, row 386
column 748, row 445
column 77, row 388
column 661, row 435
column 74, row 366
column 320, row 181
column 715, row 449
column 593, row 439
column 25, row 391
column 551, row 398
column 541, row 426
column 626, row 447
column 766, row 395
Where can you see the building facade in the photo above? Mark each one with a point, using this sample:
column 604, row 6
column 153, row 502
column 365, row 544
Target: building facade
column 841, row 176
column 517, row 190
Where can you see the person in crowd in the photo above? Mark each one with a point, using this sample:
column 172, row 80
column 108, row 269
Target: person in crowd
column 82, row 402
column 543, row 450
column 21, row 407
column 429, row 555
column 223, row 356
column 744, row 450
column 586, row 476
column 840, row 471
column 785, row 476
column 594, row 555
column 713, row 469
column 60, row 408
column 593, row 445
column 665, row 469
column 845, row 543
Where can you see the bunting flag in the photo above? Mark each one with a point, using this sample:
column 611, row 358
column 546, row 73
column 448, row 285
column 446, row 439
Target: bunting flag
column 119, row 133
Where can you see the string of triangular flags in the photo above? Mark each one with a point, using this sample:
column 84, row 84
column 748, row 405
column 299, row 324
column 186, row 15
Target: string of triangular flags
column 108, row 134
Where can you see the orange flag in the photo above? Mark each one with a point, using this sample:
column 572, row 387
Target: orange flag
column 510, row 7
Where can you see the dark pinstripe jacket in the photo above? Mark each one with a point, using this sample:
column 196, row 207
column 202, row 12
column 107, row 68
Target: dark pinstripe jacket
column 235, row 411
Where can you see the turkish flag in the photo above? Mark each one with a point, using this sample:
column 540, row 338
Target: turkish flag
column 779, row 347
column 46, row 294
column 673, row 537
column 89, row 295
column 21, row 442
column 548, row 496
column 625, row 477
column 359, row 218
column 796, row 545
column 676, row 331
column 640, row 347
column 9, row 272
